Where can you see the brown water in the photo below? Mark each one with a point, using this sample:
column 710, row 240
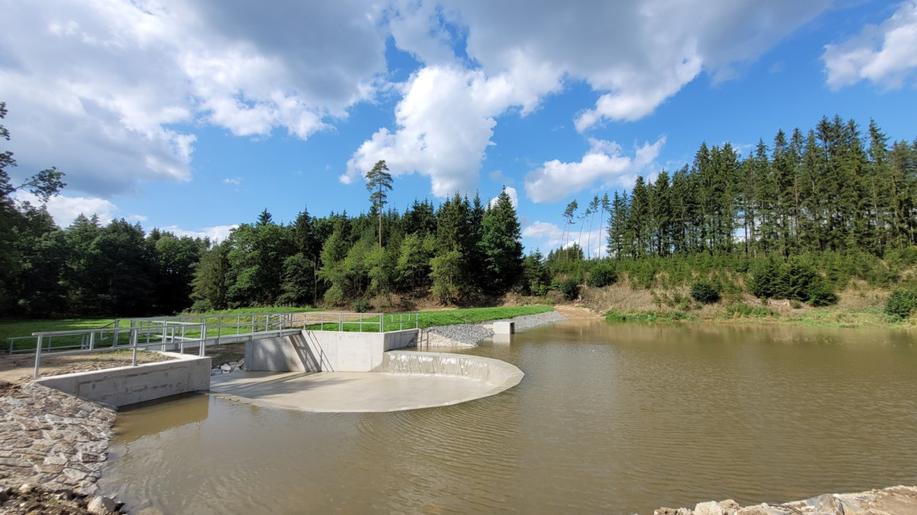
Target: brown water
column 609, row 418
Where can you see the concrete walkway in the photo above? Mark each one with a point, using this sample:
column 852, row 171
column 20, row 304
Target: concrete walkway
column 347, row 392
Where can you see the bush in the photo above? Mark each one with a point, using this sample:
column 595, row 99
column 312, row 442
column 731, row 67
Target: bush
column 901, row 303
column 796, row 280
column 602, row 275
column 705, row 292
column 742, row 310
column 764, row 281
column 361, row 306
column 569, row 287
column 821, row 295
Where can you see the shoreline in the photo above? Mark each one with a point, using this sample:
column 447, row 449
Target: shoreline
column 466, row 336
column 900, row 500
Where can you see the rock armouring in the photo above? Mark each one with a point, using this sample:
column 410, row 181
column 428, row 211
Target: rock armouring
column 898, row 500
column 469, row 335
column 52, row 439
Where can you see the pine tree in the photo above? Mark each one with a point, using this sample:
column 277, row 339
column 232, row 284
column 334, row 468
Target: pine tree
column 501, row 244
column 378, row 181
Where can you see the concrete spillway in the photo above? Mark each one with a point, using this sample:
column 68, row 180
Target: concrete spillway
column 405, row 380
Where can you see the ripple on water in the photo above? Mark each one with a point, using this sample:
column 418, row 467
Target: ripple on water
column 608, row 419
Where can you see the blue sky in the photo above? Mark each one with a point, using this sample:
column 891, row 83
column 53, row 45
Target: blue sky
column 196, row 116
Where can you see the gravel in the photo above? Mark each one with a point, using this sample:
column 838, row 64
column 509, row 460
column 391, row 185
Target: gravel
column 472, row 334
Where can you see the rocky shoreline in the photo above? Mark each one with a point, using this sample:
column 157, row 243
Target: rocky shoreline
column 52, row 449
column 897, row 500
column 470, row 335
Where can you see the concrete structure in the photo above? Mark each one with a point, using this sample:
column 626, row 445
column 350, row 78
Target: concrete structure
column 123, row 386
column 404, row 381
column 504, row 327
column 325, row 351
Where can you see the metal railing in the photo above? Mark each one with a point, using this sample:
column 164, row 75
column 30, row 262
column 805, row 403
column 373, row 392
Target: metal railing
column 174, row 333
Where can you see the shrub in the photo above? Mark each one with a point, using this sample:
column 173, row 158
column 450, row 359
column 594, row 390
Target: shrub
column 764, row 281
column 361, row 306
column 901, row 303
column 647, row 316
column 602, row 275
column 820, row 294
column 705, row 292
column 742, row 310
column 569, row 286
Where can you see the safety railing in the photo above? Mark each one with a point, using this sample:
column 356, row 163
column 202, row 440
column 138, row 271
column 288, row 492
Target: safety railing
column 175, row 333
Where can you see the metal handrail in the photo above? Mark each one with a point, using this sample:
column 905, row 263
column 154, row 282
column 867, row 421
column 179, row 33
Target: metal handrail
column 174, row 332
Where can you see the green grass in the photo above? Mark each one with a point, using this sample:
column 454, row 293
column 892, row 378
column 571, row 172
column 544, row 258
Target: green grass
column 648, row 316
column 742, row 310
column 224, row 323
column 396, row 321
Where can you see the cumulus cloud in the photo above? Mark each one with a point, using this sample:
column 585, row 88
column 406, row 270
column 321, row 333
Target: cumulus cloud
column 513, row 197
column 885, row 55
column 603, row 163
column 64, row 209
column 634, row 55
column 216, row 233
column 547, row 236
column 444, row 124
column 105, row 89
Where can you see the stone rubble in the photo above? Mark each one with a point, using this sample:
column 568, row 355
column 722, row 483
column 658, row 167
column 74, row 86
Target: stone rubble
column 897, row 500
column 469, row 335
column 228, row 368
column 31, row 500
column 51, row 439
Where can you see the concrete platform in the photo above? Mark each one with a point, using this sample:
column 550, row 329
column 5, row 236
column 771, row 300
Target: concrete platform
column 348, row 392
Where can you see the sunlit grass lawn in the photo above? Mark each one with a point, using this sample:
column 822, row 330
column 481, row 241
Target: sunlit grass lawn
column 238, row 321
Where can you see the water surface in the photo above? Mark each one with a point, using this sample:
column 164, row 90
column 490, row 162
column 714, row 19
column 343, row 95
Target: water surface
column 609, row 418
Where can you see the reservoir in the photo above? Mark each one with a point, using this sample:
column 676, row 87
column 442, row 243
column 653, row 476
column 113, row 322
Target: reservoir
column 618, row 418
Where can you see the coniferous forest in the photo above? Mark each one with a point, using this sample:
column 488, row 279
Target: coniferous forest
column 798, row 217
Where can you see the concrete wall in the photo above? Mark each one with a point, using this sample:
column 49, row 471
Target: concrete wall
column 123, row 386
column 500, row 374
column 325, row 351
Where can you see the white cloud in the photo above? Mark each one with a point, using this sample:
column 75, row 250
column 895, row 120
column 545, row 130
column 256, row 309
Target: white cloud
column 547, row 236
column 885, row 55
column 232, row 181
column 216, row 233
column 444, row 125
column 64, row 209
column 104, row 89
column 513, row 197
column 635, row 55
column 603, row 163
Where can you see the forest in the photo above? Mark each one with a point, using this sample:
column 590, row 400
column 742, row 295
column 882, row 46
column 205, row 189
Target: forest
column 797, row 219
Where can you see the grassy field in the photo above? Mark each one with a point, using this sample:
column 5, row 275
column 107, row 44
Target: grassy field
column 742, row 313
column 238, row 321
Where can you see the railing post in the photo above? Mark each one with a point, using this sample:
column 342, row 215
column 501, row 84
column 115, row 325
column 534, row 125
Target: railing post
column 114, row 337
column 92, row 340
column 165, row 334
column 219, row 328
column 37, row 358
column 201, row 352
column 134, row 347
column 340, row 321
column 253, row 324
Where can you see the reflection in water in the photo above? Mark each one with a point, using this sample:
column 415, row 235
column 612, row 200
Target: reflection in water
column 609, row 418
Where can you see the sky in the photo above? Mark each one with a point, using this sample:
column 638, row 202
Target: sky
column 195, row 116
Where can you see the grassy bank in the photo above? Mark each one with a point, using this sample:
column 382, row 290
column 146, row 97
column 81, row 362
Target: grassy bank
column 843, row 315
column 393, row 321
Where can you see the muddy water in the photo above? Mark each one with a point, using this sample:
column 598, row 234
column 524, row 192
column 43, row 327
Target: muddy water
column 609, row 418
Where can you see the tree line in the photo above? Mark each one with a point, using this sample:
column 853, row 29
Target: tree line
column 459, row 252
column 798, row 216
column 827, row 190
